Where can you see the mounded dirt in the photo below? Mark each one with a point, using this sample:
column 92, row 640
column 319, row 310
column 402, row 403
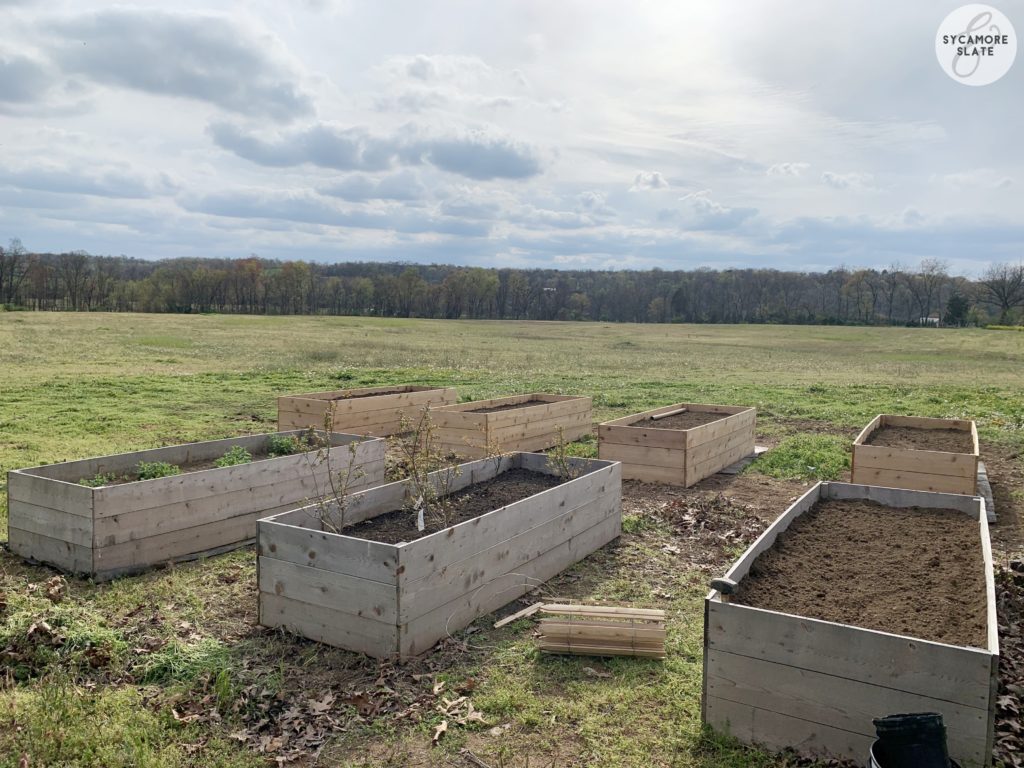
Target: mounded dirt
column 917, row 572
column 684, row 420
column 507, row 488
column 948, row 440
column 510, row 407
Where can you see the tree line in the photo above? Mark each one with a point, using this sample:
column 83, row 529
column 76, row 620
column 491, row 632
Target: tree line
column 78, row 281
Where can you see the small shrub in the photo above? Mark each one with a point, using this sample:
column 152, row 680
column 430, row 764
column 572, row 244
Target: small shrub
column 98, row 480
column 286, row 445
column 236, row 454
column 806, row 457
column 150, row 470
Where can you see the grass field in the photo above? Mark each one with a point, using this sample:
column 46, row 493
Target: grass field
column 167, row 669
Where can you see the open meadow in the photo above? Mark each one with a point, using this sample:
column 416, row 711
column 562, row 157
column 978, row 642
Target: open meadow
column 170, row 669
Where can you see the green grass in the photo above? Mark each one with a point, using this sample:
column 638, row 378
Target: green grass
column 131, row 651
column 805, row 457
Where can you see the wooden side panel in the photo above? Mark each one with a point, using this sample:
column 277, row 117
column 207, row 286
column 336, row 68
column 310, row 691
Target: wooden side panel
column 52, row 523
column 936, row 483
column 651, row 436
column 455, row 579
column 326, row 625
column 69, row 557
column 930, row 462
column 777, row 732
column 643, row 456
column 331, row 552
column 423, row 632
column 32, row 487
column 365, row 598
column 836, row 702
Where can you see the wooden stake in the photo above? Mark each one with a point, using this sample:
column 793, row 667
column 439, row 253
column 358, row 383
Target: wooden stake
column 528, row 611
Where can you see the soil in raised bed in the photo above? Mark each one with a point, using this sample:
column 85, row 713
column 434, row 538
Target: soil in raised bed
column 479, row 499
column 948, row 440
column 509, row 407
column 371, row 394
column 684, row 420
column 917, row 572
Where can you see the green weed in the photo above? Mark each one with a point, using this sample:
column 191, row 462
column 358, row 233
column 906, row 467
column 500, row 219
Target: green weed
column 150, row 470
column 236, row 454
column 805, row 457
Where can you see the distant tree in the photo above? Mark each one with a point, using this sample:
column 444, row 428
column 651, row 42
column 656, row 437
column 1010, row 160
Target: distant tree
column 1003, row 286
column 957, row 309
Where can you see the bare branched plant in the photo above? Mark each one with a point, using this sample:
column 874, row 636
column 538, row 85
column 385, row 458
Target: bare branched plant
column 330, row 505
column 430, row 474
column 559, row 459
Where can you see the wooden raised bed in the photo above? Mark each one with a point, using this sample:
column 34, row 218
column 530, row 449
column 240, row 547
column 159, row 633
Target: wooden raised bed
column 919, row 470
column 376, row 411
column 678, row 456
column 464, row 431
column 398, row 600
column 782, row 680
column 125, row 528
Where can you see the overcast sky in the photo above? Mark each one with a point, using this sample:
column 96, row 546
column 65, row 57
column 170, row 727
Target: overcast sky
column 533, row 134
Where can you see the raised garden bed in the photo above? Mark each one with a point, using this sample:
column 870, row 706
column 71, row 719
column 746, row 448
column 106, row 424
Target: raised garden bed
column 677, row 446
column 515, row 423
column 857, row 602
column 396, row 600
column 127, row 525
column 920, row 454
column 375, row 411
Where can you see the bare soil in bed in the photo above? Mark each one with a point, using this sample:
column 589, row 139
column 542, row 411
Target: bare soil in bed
column 198, row 466
column 368, row 394
column 509, row 407
column 948, row 440
column 684, row 420
column 917, row 572
column 507, row 488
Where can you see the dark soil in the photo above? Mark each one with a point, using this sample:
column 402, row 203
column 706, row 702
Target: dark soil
column 684, row 420
column 192, row 466
column 365, row 394
column 507, row 488
column 511, row 407
column 948, row 440
column 916, row 572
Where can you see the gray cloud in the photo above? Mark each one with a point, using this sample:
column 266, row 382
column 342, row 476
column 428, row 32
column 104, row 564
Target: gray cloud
column 305, row 207
column 199, row 56
column 359, row 187
column 476, row 155
column 648, row 180
column 855, row 181
column 23, row 79
column 100, row 182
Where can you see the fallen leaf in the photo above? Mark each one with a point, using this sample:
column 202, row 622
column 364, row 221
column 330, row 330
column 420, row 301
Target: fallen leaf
column 438, row 687
column 594, row 673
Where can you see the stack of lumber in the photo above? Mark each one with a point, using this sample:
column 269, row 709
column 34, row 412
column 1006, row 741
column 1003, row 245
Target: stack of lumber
column 601, row 630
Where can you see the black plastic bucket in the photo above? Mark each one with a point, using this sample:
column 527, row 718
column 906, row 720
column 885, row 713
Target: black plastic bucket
column 915, row 740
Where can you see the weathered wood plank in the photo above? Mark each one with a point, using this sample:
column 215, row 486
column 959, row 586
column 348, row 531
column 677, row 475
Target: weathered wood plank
column 950, row 673
column 332, row 552
column 706, row 433
column 697, row 472
column 642, row 435
column 777, row 732
column 33, row 487
column 52, row 523
column 326, row 625
column 374, row 600
column 422, row 633
column 646, row 456
column 454, row 578
column 836, row 702
column 915, row 480
column 930, row 462
column 69, row 557
column 740, row 438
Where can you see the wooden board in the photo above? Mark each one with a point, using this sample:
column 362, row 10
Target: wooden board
column 783, row 680
column 678, row 456
column 936, row 471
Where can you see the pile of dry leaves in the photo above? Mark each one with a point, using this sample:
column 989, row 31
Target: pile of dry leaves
column 711, row 527
column 1009, row 741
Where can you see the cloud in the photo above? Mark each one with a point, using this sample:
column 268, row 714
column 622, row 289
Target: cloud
column 474, row 154
column 788, row 169
column 852, row 181
column 207, row 57
column 979, row 178
column 648, row 180
column 358, row 187
column 699, row 212
column 304, row 206
column 100, row 182
column 23, row 79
